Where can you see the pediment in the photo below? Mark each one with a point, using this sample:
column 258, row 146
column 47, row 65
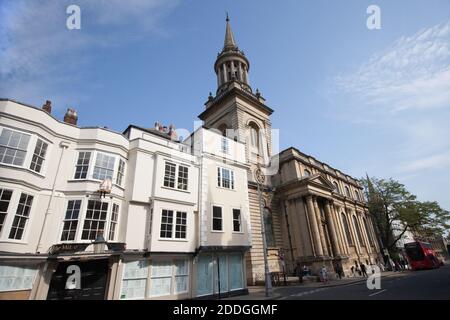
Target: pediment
column 319, row 179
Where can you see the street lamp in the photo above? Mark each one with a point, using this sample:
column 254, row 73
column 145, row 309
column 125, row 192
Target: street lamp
column 260, row 178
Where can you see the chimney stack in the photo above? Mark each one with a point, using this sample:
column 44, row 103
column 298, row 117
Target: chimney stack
column 47, row 107
column 71, row 116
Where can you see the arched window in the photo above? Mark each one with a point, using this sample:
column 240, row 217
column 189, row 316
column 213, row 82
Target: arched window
column 369, row 234
column 268, row 226
column 336, row 187
column 307, row 173
column 254, row 135
column 347, row 229
column 357, row 195
column 347, row 191
column 358, row 232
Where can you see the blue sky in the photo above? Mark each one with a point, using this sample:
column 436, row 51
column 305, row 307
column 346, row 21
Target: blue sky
column 358, row 99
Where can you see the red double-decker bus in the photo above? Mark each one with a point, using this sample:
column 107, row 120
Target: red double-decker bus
column 421, row 256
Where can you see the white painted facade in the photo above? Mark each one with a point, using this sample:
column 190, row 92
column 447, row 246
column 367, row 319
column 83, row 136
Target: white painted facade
column 159, row 210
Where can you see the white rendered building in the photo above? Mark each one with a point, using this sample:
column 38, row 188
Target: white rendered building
column 151, row 229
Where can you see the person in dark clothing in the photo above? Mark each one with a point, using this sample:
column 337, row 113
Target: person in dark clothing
column 363, row 270
column 299, row 272
column 338, row 270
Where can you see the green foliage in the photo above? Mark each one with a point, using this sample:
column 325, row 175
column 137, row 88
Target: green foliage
column 394, row 208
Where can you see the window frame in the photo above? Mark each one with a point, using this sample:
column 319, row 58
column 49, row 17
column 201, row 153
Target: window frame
column 220, row 178
column 241, row 229
column 224, row 145
column 113, row 224
column 105, row 225
column 174, row 225
column 347, row 192
column 87, row 172
column 161, row 237
column 104, row 170
column 177, row 176
column 21, row 216
column 39, row 156
column 8, row 207
column 77, row 229
column 16, row 149
column 221, row 218
column 120, row 172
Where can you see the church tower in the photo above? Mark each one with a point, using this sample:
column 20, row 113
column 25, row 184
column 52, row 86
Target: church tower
column 239, row 112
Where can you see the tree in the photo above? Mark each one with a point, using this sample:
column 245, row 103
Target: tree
column 395, row 211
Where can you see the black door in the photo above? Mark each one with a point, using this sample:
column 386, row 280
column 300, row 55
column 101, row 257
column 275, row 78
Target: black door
column 79, row 281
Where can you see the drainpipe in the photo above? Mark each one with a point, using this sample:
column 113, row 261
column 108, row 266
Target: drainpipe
column 63, row 145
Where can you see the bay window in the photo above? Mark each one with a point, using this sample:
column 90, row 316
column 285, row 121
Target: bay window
column 169, row 229
column 71, row 220
column 104, row 167
column 114, row 220
column 5, row 199
column 120, row 172
column 178, row 172
column 82, row 166
column 13, row 147
column 21, row 217
column 40, row 151
column 94, row 223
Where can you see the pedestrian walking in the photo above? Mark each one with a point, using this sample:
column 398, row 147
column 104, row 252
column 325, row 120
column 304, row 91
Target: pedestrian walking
column 324, row 274
column 339, row 271
column 299, row 272
column 358, row 270
column 363, row 270
column 352, row 269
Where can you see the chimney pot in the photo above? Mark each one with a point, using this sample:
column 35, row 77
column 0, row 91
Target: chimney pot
column 47, row 107
column 71, row 116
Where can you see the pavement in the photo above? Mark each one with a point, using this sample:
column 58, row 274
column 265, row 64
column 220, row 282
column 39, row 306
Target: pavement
column 427, row 284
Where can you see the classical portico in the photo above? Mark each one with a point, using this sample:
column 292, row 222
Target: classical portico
column 320, row 225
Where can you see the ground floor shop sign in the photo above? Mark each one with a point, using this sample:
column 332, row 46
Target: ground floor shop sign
column 79, row 280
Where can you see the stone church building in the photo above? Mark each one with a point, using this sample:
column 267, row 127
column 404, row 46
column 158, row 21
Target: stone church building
column 313, row 214
column 91, row 213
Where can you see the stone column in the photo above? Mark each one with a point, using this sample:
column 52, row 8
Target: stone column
column 225, row 76
column 353, row 231
column 314, row 226
column 241, row 77
column 332, row 228
column 340, row 232
column 321, row 232
column 338, row 217
column 365, row 235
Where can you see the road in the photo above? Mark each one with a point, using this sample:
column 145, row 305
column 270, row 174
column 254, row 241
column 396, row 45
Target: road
column 427, row 284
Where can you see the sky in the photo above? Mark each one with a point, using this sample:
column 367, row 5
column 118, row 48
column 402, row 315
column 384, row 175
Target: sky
column 361, row 100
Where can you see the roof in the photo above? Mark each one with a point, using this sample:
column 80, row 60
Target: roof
column 151, row 131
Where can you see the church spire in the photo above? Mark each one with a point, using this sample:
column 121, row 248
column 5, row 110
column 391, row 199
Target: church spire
column 231, row 65
column 229, row 42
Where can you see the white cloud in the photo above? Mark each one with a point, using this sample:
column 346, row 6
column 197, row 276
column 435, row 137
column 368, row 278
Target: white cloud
column 39, row 54
column 413, row 73
column 436, row 162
